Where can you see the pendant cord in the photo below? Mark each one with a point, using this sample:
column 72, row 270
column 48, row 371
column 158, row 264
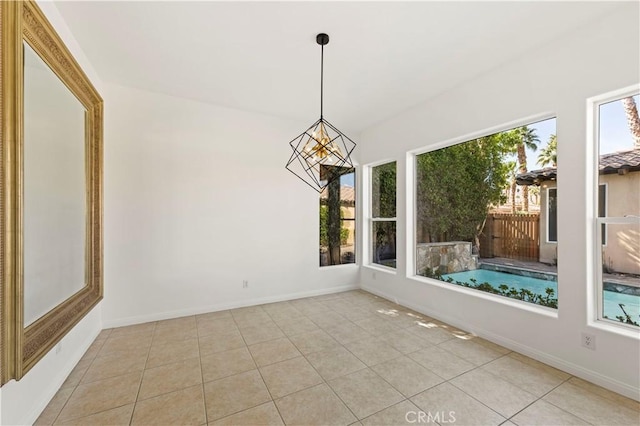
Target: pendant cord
column 321, row 77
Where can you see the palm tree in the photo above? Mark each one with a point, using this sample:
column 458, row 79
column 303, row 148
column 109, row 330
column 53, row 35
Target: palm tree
column 512, row 172
column 549, row 154
column 527, row 139
column 631, row 110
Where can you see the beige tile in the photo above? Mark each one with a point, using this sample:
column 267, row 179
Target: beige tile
column 335, row 362
column 213, row 315
column 286, row 377
column 144, row 329
column 314, row 341
column 262, row 415
column 51, row 411
column 402, row 413
column 173, row 334
column 407, row 376
column 93, row 350
column 314, row 406
column 234, row 394
column 223, row 364
column 443, row 363
column 273, row 351
column 471, row 351
column 102, row 395
column 115, row 365
column 605, row 393
column 372, row 351
column 431, row 331
column 356, row 314
column 224, row 325
column 347, row 332
column 365, row 393
column 377, row 326
column 455, row 406
column 125, row 344
column 285, row 315
column 544, row 414
column 184, row 407
column 181, row 323
column 167, row 353
column 104, row 334
column 261, row 333
column 491, row 345
column 113, row 417
column 76, row 374
column 169, row 378
column 591, row 407
column 537, row 380
column 214, row 343
column 404, row 341
column 298, row 326
column 327, row 319
column 499, row 395
column 252, row 320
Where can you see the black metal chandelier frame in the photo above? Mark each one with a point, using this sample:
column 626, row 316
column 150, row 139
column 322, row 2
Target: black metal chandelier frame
column 322, row 153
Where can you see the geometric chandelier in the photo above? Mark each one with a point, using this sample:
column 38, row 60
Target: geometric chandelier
column 322, row 153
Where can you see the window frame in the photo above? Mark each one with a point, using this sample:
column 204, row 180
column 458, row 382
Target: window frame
column 412, row 217
column 595, row 292
column 354, row 219
column 370, row 219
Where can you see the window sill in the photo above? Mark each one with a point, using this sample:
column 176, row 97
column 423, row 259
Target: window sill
column 381, row 268
column 612, row 327
column 344, row 265
column 518, row 304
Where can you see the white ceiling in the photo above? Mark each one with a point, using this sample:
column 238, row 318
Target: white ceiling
column 383, row 57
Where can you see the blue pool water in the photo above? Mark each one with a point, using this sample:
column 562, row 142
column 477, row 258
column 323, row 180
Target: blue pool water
column 612, row 299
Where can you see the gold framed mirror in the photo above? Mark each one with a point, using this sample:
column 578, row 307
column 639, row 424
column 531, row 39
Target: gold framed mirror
column 51, row 193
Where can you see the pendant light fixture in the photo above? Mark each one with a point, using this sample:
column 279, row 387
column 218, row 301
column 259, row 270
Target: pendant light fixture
column 322, row 153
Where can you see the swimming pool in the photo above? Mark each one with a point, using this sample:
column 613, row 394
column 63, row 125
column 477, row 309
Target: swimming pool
column 612, row 299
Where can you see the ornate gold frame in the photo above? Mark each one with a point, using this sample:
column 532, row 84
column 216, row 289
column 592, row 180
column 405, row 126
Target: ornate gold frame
column 21, row 348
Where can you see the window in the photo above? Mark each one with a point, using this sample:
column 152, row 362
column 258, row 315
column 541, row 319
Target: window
column 383, row 215
column 338, row 220
column 482, row 209
column 552, row 215
column 617, row 217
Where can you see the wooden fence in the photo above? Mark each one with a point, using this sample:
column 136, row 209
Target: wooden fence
column 514, row 236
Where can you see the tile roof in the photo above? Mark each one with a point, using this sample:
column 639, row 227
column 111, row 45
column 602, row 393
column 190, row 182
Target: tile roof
column 614, row 162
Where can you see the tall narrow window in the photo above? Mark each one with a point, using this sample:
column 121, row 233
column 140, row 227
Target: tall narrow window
column 383, row 215
column 618, row 209
column 486, row 215
column 552, row 215
column 338, row 221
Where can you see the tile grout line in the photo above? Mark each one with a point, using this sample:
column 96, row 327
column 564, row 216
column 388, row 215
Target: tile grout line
column 204, row 395
column 144, row 368
column 258, row 370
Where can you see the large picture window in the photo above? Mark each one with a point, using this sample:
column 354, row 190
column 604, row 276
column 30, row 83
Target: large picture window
column 383, row 215
column 482, row 209
column 338, row 221
column 618, row 209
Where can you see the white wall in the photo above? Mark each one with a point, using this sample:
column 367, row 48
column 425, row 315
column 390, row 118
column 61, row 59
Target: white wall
column 197, row 199
column 21, row 402
column 556, row 79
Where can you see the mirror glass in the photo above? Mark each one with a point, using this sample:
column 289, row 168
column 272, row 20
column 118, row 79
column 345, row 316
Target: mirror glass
column 54, row 222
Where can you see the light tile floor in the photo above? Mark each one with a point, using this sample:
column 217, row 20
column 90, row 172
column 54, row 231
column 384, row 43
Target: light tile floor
column 340, row 359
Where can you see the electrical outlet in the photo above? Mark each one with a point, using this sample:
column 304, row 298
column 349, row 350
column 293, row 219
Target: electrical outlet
column 58, row 348
column 245, row 284
column 589, row 341
column 373, row 276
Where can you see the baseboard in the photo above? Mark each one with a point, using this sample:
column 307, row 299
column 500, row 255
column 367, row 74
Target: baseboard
column 121, row 322
column 54, row 385
column 559, row 363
